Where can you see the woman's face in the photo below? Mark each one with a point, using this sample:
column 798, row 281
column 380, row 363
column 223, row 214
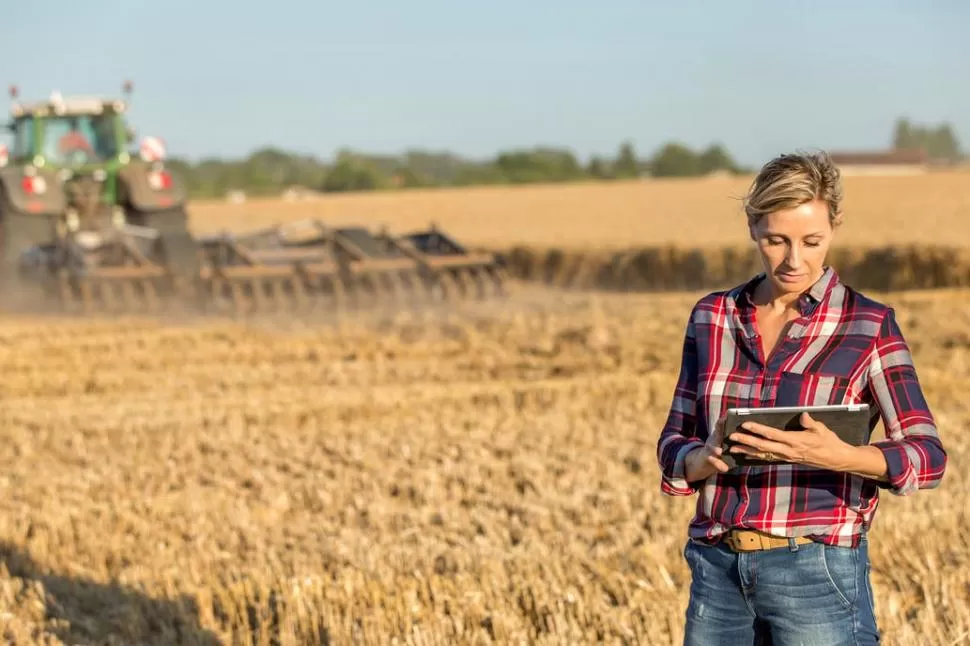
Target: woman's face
column 793, row 244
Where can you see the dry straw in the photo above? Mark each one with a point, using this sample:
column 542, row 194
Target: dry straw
column 484, row 477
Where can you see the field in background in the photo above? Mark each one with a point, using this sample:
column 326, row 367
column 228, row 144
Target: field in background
column 486, row 476
column 924, row 209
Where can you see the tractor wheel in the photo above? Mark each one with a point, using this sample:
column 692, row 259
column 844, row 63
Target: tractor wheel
column 18, row 233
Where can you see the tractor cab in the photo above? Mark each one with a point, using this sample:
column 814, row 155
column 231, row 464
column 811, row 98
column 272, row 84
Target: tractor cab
column 77, row 134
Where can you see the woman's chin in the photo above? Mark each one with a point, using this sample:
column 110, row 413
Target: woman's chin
column 790, row 284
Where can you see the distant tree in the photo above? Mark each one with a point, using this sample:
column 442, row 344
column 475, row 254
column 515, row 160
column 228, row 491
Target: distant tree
column 939, row 143
column 539, row 165
column 716, row 158
column 479, row 175
column 408, row 177
column 597, row 168
column 675, row 160
column 942, row 143
column 626, row 164
column 351, row 173
column 904, row 137
column 270, row 170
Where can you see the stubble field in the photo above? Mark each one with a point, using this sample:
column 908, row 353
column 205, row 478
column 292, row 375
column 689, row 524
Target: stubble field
column 932, row 209
column 480, row 475
column 900, row 232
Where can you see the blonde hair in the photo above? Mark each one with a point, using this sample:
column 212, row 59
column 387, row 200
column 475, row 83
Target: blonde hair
column 792, row 179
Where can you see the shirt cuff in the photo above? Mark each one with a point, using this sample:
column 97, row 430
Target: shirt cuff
column 902, row 478
column 676, row 484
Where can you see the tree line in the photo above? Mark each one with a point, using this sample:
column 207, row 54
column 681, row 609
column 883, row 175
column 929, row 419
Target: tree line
column 269, row 171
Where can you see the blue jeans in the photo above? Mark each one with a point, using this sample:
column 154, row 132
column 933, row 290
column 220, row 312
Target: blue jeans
column 804, row 595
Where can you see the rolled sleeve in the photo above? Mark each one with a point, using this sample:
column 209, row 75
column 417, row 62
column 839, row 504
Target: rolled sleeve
column 677, row 438
column 913, row 451
column 673, row 482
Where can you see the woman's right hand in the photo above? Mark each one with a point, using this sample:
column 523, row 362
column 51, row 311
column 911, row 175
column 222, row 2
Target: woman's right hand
column 703, row 462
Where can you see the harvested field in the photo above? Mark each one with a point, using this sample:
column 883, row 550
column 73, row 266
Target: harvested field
column 910, row 232
column 932, row 209
column 484, row 476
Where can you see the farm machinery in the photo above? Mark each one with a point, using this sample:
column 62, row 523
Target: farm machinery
column 306, row 265
column 94, row 227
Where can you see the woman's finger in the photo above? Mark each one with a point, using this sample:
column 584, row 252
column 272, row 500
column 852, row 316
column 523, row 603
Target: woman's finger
column 718, row 464
column 764, row 431
column 740, row 449
column 760, row 443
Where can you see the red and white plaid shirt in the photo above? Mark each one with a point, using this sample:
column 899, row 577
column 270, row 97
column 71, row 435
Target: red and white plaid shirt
column 843, row 348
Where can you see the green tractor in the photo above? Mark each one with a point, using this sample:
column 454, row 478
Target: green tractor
column 90, row 226
column 83, row 217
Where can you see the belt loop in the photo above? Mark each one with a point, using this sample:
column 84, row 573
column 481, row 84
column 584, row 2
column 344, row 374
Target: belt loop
column 792, row 545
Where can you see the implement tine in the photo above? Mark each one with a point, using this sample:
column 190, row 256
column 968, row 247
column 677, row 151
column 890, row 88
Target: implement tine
column 68, row 301
column 299, row 293
column 151, row 295
column 277, row 288
column 394, row 287
column 259, row 294
column 87, row 296
column 340, row 296
column 239, row 299
column 130, row 295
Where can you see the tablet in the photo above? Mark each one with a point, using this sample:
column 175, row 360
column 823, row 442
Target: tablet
column 849, row 421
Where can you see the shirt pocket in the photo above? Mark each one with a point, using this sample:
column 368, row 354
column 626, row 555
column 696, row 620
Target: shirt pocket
column 813, row 389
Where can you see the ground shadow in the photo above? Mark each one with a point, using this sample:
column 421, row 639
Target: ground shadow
column 87, row 613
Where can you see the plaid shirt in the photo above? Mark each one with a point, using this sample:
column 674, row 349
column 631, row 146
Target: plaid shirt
column 843, row 348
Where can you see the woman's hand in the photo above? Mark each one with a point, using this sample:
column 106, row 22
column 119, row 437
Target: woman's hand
column 703, row 462
column 815, row 446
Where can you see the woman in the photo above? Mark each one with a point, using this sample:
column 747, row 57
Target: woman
column 778, row 553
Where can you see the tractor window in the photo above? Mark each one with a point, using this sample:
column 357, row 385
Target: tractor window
column 23, row 139
column 81, row 139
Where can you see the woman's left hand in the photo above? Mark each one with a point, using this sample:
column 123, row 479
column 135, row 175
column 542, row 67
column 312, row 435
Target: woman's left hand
column 815, row 446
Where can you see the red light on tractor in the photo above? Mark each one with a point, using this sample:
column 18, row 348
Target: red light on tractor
column 160, row 180
column 33, row 185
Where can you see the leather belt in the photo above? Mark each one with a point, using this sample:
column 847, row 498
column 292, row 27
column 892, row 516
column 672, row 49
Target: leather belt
column 746, row 540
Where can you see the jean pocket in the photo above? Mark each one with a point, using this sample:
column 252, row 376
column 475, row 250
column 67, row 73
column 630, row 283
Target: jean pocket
column 841, row 568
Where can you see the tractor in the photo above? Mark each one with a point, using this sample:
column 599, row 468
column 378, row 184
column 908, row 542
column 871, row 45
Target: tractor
column 83, row 216
column 97, row 228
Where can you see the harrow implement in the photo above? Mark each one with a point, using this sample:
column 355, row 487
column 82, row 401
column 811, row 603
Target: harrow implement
column 302, row 266
column 307, row 266
column 112, row 270
column 457, row 272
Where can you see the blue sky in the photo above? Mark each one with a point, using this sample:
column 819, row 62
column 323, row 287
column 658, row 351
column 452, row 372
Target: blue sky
column 383, row 76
